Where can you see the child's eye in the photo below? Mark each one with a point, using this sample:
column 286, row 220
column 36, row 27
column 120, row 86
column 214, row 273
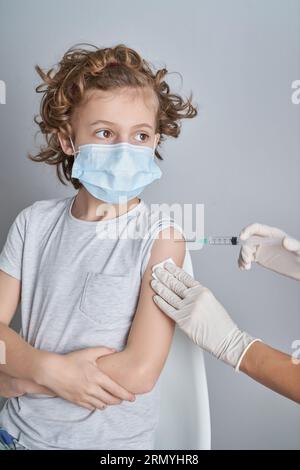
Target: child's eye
column 105, row 136
column 145, row 138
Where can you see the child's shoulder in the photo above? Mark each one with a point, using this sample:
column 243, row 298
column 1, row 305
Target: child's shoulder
column 51, row 204
column 43, row 207
column 38, row 211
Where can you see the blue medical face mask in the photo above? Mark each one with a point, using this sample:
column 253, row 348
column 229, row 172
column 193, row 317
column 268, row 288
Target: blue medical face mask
column 115, row 173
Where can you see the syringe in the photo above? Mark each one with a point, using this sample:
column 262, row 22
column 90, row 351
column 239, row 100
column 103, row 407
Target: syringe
column 233, row 240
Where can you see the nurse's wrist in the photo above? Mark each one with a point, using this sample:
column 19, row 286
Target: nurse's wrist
column 235, row 346
column 251, row 357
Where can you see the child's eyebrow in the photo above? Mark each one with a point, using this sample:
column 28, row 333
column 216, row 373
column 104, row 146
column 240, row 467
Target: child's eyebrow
column 143, row 124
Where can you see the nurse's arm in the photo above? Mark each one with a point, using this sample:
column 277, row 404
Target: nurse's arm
column 274, row 369
column 138, row 366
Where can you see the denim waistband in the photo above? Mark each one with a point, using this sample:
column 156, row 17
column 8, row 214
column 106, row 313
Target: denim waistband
column 8, row 442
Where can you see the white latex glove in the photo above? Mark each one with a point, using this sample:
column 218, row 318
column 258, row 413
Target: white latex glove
column 199, row 314
column 283, row 258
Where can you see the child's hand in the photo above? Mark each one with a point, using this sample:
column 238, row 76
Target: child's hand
column 76, row 377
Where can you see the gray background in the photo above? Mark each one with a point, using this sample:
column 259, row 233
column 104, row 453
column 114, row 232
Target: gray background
column 240, row 156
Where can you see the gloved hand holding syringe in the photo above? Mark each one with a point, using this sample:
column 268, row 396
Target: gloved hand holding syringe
column 207, row 323
column 268, row 246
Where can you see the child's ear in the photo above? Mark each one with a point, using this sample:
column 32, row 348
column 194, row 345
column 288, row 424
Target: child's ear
column 157, row 137
column 65, row 143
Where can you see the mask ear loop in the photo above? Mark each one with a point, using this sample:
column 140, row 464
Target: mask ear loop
column 73, row 148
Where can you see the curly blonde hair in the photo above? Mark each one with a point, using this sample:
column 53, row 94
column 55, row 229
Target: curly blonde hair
column 82, row 69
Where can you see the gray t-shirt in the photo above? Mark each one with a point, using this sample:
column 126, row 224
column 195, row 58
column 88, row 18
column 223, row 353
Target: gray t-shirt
column 80, row 289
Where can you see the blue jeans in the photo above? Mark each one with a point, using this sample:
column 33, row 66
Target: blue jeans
column 8, row 442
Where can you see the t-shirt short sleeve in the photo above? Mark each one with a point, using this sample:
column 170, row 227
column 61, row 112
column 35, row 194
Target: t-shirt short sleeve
column 11, row 255
column 152, row 235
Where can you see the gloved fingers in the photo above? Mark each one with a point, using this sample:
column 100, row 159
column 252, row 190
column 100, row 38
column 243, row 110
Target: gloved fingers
column 181, row 275
column 165, row 293
column 242, row 265
column 164, row 306
column 170, row 281
column 246, row 256
column 291, row 244
column 261, row 230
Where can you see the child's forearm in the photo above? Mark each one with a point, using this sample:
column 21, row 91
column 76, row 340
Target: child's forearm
column 21, row 360
column 11, row 387
column 125, row 369
column 25, row 362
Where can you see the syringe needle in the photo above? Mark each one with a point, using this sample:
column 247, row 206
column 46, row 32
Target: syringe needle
column 234, row 240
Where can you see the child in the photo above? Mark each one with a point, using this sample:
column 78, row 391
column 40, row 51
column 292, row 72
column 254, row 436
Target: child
column 83, row 372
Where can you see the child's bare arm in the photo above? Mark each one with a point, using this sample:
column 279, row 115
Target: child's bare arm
column 26, row 369
column 139, row 365
column 10, row 386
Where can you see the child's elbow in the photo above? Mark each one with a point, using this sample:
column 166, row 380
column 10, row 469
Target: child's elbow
column 144, row 380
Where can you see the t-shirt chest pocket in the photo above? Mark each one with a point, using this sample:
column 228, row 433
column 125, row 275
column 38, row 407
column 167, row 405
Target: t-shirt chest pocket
column 105, row 300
